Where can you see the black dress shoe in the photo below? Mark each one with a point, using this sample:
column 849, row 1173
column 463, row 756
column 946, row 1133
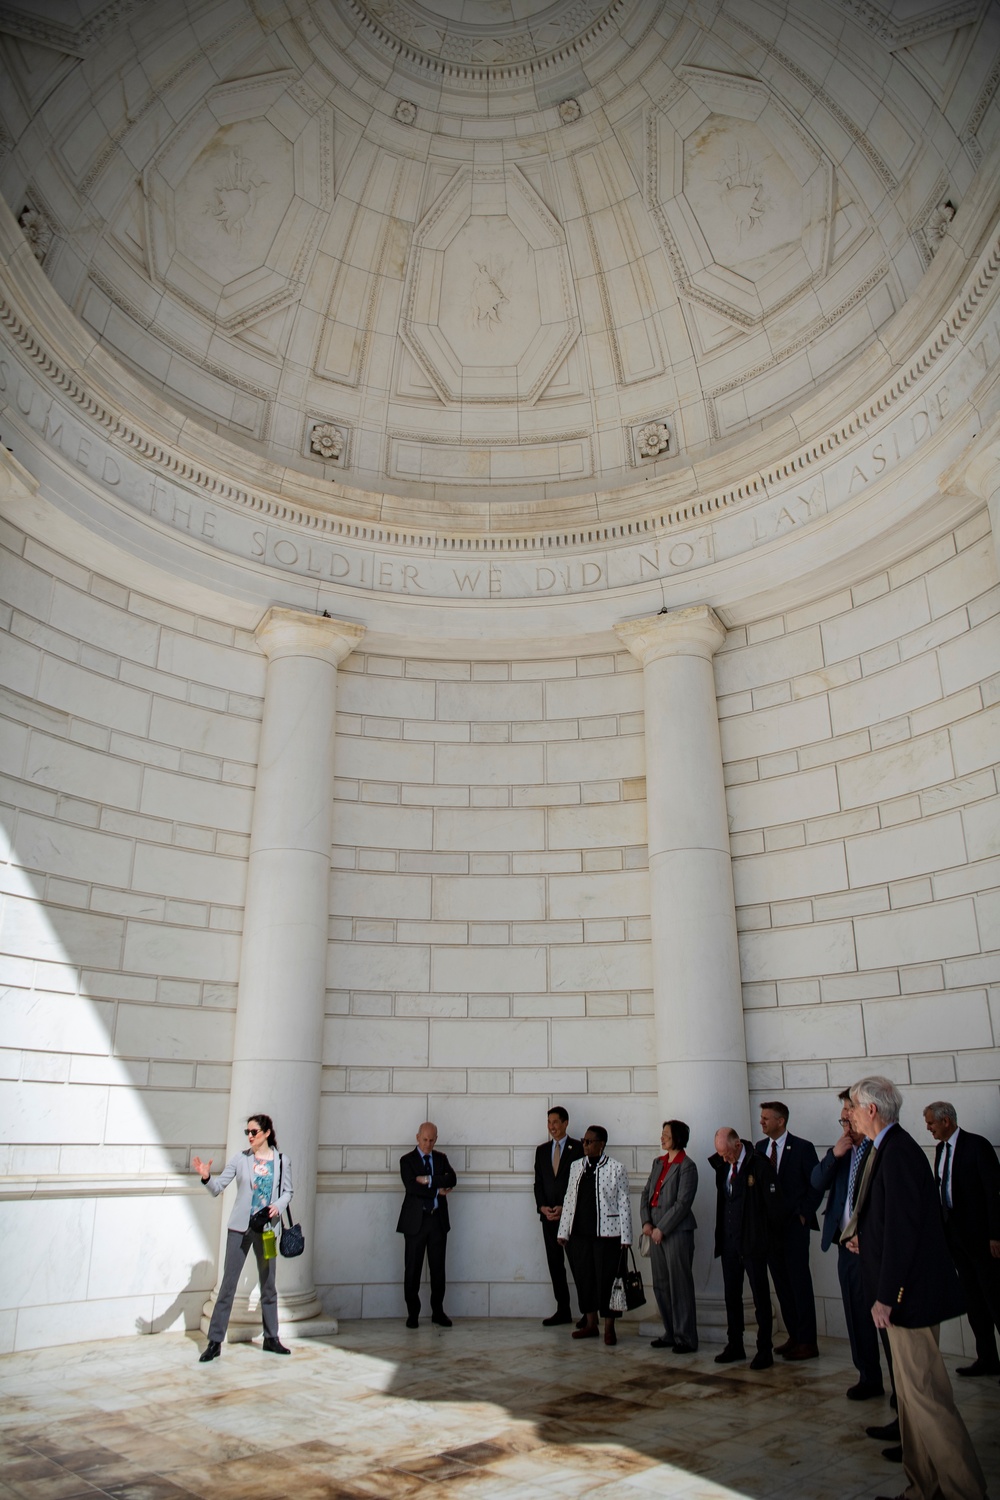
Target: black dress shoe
column 864, row 1391
column 661, row 1343
column 274, row 1346
column 887, row 1434
column 441, row 1319
column 894, row 1455
column 556, row 1319
column 979, row 1367
column 730, row 1354
column 413, row 1321
column 681, row 1348
column 212, row 1351
column 801, row 1351
column 762, row 1361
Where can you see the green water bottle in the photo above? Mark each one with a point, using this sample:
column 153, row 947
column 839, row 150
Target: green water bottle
column 270, row 1244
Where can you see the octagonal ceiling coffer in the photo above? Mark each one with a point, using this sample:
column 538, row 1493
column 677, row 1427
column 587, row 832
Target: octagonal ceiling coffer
column 489, row 309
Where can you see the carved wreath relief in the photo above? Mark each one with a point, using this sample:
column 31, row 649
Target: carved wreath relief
column 742, row 184
column 236, row 193
column 489, row 292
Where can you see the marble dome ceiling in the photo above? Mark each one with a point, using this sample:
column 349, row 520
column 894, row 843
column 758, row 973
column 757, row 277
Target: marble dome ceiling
column 467, row 249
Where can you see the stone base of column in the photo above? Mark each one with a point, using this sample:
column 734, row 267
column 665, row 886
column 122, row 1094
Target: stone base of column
column 300, row 1316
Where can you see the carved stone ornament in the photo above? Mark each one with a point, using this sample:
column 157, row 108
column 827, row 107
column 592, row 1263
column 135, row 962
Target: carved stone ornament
column 328, row 440
column 652, row 440
column 490, row 309
column 569, row 110
column 937, row 224
column 405, row 112
column 38, row 231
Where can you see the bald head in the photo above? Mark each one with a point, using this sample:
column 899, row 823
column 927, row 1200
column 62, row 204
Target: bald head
column 728, row 1143
column 427, row 1137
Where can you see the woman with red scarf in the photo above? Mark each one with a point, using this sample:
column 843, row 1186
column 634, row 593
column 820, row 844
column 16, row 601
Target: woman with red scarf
column 669, row 1226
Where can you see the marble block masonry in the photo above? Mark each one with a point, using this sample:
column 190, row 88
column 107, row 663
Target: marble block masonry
column 500, row 593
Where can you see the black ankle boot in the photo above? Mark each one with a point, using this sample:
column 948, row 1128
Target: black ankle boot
column 212, row 1351
column 274, row 1346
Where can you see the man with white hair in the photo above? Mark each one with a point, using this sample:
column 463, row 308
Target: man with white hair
column 912, row 1287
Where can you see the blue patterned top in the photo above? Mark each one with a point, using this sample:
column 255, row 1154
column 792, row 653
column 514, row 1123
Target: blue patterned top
column 263, row 1184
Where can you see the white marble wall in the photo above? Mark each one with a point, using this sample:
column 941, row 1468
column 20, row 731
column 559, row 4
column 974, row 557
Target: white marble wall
column 489, row 928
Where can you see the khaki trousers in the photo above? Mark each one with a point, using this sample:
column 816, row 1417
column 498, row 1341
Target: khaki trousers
column 938, row 1456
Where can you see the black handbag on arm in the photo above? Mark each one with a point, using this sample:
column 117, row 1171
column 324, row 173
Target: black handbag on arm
column 292, row 1241
column 635, row 1295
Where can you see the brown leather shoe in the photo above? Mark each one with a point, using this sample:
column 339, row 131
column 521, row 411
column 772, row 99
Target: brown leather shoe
column 585, row 1333
column 801, row 1351
column 780, row 1348
column 610, row 1337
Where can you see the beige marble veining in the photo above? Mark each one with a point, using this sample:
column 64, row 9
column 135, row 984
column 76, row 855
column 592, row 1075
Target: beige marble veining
column 500, row 1410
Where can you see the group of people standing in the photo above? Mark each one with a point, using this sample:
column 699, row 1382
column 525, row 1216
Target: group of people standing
column 915, row 1247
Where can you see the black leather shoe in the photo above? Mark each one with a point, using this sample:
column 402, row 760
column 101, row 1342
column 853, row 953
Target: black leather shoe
column 762, row 1362
column 212, row 1351
column 441, row 1319
column 894, row 1455
column 661, row 1343
column 556, row 1319
column 730, row 1354
column 274, row 1346
column 864, row 1391
column 681, row 1348
column 887, row 1434
column 413, row 1321
column 979, row 1367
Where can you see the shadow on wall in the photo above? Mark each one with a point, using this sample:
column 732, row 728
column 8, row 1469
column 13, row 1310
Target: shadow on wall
column 182, row 1305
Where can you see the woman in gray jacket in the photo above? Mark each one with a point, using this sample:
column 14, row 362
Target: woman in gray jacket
column 263, row 1191
column 669, row 1225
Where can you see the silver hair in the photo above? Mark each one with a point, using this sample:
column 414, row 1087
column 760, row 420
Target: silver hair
column 942, row 1110
column 881, row 1092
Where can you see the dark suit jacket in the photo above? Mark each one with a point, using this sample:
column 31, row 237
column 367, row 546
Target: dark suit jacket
column 904, row 1257
column 550, row 1190
column 833, row 1172
column 794, row 1177
column 419, row 1198
column 975, row 1191
column 757, row 1191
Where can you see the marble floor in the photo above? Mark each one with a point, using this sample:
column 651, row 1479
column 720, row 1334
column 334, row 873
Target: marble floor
column 505, row 1410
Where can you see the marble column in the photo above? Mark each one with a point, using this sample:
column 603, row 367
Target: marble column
column 277, row 1053
column 697, row 997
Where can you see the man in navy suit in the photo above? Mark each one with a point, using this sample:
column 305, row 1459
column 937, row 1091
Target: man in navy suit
column 788, row 1250
column 840, row 1172
column 553, row 1160
column 423, row 1222
column 968, row 1179
column 912, row 1287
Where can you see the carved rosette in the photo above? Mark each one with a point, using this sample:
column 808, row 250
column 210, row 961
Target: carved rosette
column 405, row 112
column 329, row 441
column 652, row 440
column 569, row 110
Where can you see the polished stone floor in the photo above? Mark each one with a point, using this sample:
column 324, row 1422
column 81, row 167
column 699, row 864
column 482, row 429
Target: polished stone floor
column 505, row 1410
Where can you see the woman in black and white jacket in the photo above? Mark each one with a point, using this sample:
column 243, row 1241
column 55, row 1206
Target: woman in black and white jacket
column 263, row 1177
column 596, row 1227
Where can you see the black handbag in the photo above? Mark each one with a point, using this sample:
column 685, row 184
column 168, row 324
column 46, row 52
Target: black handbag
column 292, row 1241
column 260, row 1220
column 635, row 1295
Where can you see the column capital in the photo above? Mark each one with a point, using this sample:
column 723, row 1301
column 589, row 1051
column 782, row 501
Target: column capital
column 296, row 632
column 696, row 631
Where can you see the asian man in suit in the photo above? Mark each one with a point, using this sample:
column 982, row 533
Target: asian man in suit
column 553, row 1160
column 793, row 1160
column 968, row 1182
column 423, row 1222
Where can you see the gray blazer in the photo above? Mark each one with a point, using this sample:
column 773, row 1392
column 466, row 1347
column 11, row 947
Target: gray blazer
column 672, row 1213
column 241, row 1167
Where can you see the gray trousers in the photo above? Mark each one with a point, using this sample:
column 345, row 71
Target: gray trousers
column 673, row 1286
column 238, row 1244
